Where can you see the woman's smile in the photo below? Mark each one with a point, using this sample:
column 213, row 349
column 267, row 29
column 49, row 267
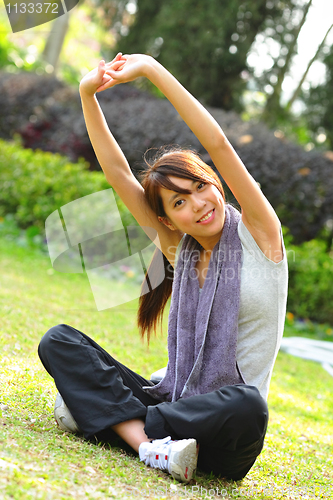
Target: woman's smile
column 207, row 218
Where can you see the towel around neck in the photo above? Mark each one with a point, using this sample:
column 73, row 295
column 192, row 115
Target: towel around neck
column 203, row 327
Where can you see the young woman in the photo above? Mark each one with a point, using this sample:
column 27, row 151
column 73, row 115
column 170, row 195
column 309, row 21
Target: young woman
column 227, row 308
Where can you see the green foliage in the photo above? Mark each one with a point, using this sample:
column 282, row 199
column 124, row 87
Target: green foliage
column 319, row 102
column 205, row 44
column 310, row 281
column 14, row 58
column 284, row 29
column 296, row 327
column 35, row 183
column 5, row 47
column 298, row 184
column 31, row 237
column 69, row 74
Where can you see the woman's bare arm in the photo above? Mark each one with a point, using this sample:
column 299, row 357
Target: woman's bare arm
column 113, row 161
column 257, row 213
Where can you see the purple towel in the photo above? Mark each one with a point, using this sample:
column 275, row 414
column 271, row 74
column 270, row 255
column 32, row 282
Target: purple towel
column 203, row 326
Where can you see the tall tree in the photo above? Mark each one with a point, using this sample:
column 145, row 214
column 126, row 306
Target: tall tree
column 302, row 80
column 205, row 44
column 55, row 40
column 319, row 112
column 109, row 14
column 286, row 33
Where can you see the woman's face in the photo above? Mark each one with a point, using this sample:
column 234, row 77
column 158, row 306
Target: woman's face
column 200, row 213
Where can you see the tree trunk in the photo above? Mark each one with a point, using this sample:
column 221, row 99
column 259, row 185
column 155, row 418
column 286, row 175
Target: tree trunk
column 297, row 91
column 55, row 40
column 273, row 106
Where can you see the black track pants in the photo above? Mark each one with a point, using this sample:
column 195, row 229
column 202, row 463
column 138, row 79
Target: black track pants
column 230, row 423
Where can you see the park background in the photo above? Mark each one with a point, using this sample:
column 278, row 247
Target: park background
column 264, row 68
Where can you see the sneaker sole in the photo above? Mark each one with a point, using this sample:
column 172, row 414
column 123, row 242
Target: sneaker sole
column 64, row 417
column 183, row 460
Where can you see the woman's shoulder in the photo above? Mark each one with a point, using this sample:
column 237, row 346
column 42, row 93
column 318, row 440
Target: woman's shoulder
column 251, row 247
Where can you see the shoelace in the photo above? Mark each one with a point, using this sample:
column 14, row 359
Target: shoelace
column 157, row 455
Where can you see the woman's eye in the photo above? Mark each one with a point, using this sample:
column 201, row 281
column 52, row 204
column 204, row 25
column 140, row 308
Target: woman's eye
column 178, row 203
column 201, row 185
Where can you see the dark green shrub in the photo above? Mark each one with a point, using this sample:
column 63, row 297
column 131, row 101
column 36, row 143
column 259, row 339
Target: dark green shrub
column 48, row 115
column 31, row 237
column 22, row 96
column 298, row 184
column 311, row 281
column 35, row 183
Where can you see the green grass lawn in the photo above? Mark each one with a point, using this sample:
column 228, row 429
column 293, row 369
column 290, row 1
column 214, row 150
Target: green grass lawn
column 38, row 461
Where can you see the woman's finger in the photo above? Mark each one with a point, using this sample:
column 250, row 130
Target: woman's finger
column 115, row 59
column 107, row 85
column 118, row 56
column 115, row 74
column 115, row 66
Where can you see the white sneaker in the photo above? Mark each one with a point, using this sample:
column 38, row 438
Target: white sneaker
column 179, row 458
column 64, row 417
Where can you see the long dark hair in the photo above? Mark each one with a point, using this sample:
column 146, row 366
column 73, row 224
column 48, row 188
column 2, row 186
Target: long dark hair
column 184, row 164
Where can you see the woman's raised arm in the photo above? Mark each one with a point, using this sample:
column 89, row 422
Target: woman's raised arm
column 103, row 142
column 113, row 161
column 257, row 213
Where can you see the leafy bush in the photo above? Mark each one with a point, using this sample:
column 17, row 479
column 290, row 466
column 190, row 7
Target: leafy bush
column 22, row 96
column 298, row 184
column 300, row 327
column 48, row 115
column 31, row 237
column 14, row 58
column 310, row 281
column 35, row 183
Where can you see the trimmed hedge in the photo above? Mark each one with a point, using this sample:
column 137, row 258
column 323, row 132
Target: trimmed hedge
column 35, row 183
column 48, row 115
column 298, row 184
column 310, row 281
